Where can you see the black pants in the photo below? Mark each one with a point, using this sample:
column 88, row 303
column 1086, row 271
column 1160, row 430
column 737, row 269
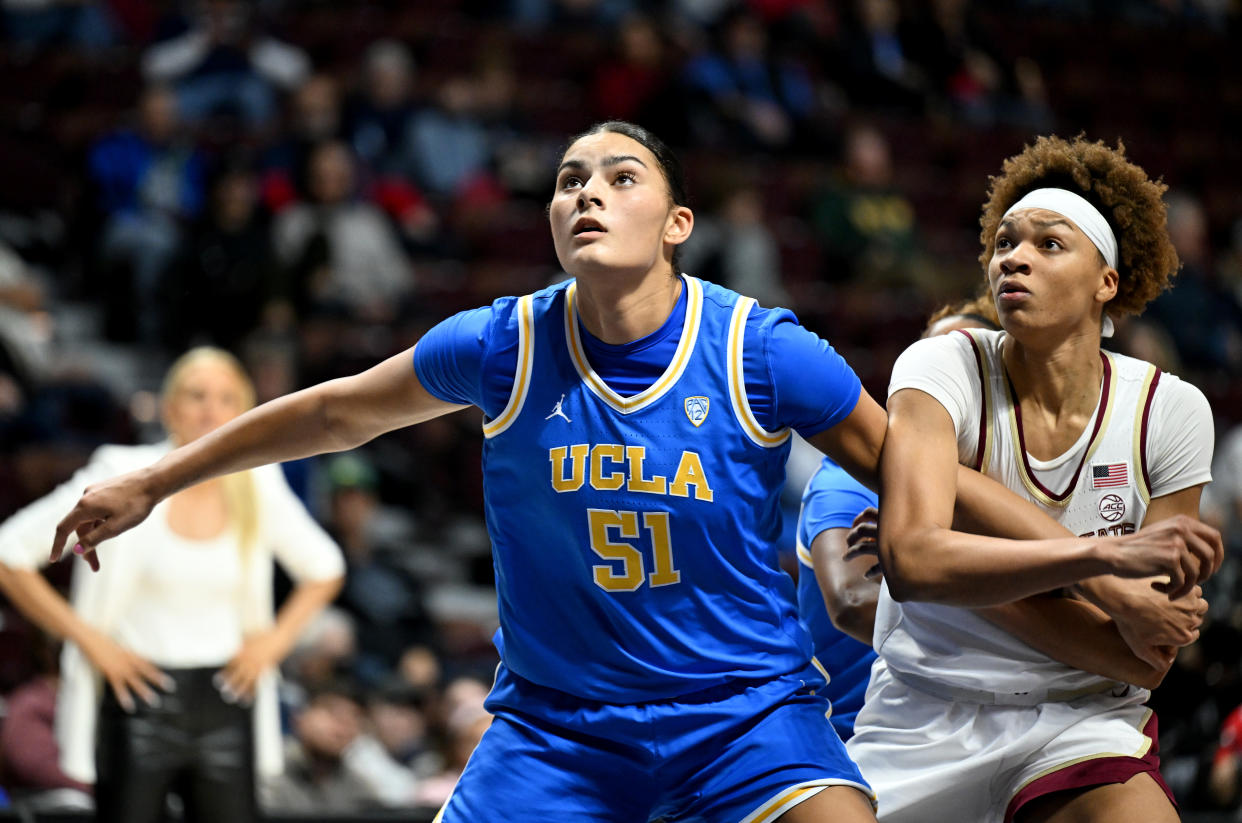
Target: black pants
column 193, row 744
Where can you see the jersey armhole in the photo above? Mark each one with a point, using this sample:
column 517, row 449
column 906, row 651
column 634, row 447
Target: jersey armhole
column 983, row 449
column 1142, row 426
column 737, row 381
column 521, row 379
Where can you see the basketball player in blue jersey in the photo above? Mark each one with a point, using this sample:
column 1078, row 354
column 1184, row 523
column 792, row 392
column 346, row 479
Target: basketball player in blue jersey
column 838, row 583
column 637, row 423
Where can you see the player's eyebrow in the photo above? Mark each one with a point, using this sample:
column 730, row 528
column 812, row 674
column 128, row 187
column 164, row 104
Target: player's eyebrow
column 1009, row 222
column 607, row 161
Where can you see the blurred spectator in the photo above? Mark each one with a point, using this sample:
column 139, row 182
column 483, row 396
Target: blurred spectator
column 568, row 14
column 636, row 79
column 380, row 115
column 979, row 84
column 149, row 181
column 1225, row 779
column 79, row 24
column 451, row 145
column 225, row 272
column 340, row 253
column 732, row 246
column 877, row 71
column 225, row 65
column 751, row 93
column 25, row 331
column 1213, row 341
column 1222, row 507
column 323, row 653
column 314, row 118
column 331, row 766
column 465, row 720
column 398, row 719
column 29, row 753
column 864, row 223
column 381, row 592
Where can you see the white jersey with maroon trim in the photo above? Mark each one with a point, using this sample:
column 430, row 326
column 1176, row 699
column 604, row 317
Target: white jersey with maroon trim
column 1150, row 435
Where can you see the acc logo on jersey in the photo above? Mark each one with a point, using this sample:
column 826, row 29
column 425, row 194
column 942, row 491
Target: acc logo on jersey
column 1112, row 508
column 696, row 409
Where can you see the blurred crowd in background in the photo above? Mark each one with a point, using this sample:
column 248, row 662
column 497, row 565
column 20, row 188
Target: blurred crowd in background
column 312, row 184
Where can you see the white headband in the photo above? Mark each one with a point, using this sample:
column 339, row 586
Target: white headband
column 1084, row 215
column 1088, row 219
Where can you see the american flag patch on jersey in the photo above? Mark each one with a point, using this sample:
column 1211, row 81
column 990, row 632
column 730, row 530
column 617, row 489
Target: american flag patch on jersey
column 1109, row 475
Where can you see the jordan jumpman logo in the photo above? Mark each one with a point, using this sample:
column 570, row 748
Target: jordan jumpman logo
column 557, row 411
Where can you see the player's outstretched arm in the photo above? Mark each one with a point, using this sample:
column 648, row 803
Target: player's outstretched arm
column 925, row 559
column 332, row 416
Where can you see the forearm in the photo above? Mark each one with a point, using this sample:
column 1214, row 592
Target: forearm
column 939, row 565
column 984, row 506
column 287, row 428
column 35, row 598
column 1076, row 634
column 306, row 601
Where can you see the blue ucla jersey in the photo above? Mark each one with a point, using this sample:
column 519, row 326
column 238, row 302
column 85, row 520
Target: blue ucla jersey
column 634, row 538
column 831, row 501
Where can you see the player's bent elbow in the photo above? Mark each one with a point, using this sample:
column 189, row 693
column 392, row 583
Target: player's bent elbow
column 855, row 619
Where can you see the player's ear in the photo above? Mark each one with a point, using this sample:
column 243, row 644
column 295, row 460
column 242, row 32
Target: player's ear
column 1106, row 289
column 680, row 225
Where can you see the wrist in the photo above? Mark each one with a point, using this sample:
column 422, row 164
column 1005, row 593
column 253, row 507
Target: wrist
column 1098, row 554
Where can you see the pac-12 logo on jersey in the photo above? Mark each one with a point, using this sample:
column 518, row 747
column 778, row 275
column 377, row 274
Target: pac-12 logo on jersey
column 696, row 409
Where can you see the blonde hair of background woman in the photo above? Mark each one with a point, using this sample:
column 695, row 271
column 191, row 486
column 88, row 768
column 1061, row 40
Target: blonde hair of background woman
column 239, row 492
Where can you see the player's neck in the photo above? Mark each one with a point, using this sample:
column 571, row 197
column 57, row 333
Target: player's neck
column 618, row 310
column 1062, row 381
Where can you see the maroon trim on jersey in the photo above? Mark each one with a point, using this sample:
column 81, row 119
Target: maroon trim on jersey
column 1099, row 421
column 1151, row 392
column 1100, row 771
column 983, row 401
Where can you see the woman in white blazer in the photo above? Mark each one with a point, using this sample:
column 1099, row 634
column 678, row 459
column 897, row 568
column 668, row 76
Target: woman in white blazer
column 168, row 669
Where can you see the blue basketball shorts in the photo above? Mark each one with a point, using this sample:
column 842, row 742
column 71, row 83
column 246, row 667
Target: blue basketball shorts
column 738, row 753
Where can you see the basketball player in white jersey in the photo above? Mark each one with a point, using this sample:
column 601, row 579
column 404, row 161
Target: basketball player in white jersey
column 963, row 720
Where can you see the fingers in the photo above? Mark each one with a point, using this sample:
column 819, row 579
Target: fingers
column 1208, row 547
column 870, row 514
column 235, row 682
column 91, row 557
column 122, row 694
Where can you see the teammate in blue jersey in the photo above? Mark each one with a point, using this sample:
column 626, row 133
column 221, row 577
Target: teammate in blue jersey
column 836, row 598
column 838, row 581
column 637, row 423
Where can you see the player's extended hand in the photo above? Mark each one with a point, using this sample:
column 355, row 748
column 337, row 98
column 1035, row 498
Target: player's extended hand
column 1180, row 548
column 259, row 652
column 1153, row 625
column 863, row 540
column 103, row 511
column 126, row 673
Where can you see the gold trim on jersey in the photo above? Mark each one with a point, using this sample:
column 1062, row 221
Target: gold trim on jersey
column 820, row 668
column 804, row 556
column 625, row 405
column 1103, row 416
column 983, row 457
column 737, row 381
column 1141, row 753
column 525, row 362
column 1140, row 477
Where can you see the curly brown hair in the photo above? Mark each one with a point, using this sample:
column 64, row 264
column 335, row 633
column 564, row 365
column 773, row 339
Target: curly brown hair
column 1122, row 191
